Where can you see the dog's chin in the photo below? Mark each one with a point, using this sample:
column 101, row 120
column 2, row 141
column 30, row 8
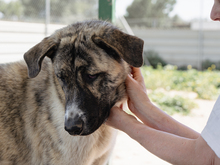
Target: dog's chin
column 92, row 129
column 87, row 133
column 84, row 133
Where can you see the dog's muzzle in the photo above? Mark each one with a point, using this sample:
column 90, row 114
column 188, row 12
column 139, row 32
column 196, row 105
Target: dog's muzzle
column 74, row 126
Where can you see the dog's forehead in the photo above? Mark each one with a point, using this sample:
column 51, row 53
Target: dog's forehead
column 85, row 29
column 96, row 60
column 79, row 35
column 76, row 42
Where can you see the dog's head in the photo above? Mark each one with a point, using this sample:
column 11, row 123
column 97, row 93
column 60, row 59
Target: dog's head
column 91, row 61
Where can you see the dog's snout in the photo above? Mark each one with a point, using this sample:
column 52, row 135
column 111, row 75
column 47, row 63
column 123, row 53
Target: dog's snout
column 74, row 126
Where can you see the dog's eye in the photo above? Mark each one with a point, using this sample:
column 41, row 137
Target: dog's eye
column 89, row 78
column 92, row 77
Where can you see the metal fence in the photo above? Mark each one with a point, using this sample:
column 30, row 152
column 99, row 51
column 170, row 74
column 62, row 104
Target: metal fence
column 16, row 36
column 53, row 11
column 158, row 23
column 68, row 11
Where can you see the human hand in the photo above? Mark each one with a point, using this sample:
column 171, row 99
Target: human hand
column 138, row 103
column 119, row 119
column 138, row 99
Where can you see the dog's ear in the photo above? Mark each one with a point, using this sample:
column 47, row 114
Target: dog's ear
column 36, row 54
column 129, row 48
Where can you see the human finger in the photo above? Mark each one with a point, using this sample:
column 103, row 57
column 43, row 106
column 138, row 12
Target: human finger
column 137, row 75
column 134, row 85
column 119, row 119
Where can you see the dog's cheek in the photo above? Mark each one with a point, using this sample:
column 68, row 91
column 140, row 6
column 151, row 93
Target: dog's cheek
column 119, row 94
column 96, row 110
column 95, row 122
column 88, row 103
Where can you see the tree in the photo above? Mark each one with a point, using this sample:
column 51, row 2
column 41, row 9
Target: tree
column 82, row 9
column 150, row 9
column 59, row 9
column 33, row 8
column 11, row 10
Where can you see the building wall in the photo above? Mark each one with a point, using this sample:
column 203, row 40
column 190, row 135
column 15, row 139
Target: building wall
column 182, row 47
column 178, row 47
column 16, row 38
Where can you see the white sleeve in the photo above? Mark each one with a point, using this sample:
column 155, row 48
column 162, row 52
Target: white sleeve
column 211, row 132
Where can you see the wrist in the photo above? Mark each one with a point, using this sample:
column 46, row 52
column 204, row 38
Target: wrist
column 150, row 114
column 134, row 129
column 144, row 107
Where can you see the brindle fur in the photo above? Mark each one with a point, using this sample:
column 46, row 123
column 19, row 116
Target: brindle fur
column 82, row 78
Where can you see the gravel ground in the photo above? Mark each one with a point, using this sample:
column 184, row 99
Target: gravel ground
column 129, row 152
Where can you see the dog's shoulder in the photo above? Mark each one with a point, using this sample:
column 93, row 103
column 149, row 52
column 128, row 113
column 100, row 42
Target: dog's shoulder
column 13, row 78
column 13, row 70
column 21, row 99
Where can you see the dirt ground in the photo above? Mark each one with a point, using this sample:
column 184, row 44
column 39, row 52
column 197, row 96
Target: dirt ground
column 129, row 152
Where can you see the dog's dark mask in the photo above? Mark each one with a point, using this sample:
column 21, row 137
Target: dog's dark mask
column 91, row 61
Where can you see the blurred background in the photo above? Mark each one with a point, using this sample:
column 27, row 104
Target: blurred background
column 178, row 31
column 181, row 52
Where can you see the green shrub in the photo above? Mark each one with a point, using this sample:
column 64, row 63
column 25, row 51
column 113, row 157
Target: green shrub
column 153, row 58
column 172, row 105
column 210, row 65
column 206, row 64
column 217, row 65
column 206, row 84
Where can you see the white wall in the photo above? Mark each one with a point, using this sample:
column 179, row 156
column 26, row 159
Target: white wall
column 18, row 37
column 182, row 47
column 179, row 47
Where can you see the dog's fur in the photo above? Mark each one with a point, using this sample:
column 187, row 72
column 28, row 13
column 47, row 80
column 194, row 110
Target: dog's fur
column 74, row 88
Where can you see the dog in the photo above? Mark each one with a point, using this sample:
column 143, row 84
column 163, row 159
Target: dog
column 54, row 104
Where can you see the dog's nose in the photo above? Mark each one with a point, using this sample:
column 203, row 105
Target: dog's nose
column 74, row 126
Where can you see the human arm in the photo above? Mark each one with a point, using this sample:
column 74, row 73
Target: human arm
column 159, row 133
column 148, row 113
column 169, row 147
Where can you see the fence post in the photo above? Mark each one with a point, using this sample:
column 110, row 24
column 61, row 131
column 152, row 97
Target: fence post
column 107, row 10
column 47, row 16
column 201, row 38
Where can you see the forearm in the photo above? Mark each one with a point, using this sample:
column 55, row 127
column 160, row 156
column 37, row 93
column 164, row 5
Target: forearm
column 169, row 147
column 157, row 119
column 172, row 148
column 142, row 107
